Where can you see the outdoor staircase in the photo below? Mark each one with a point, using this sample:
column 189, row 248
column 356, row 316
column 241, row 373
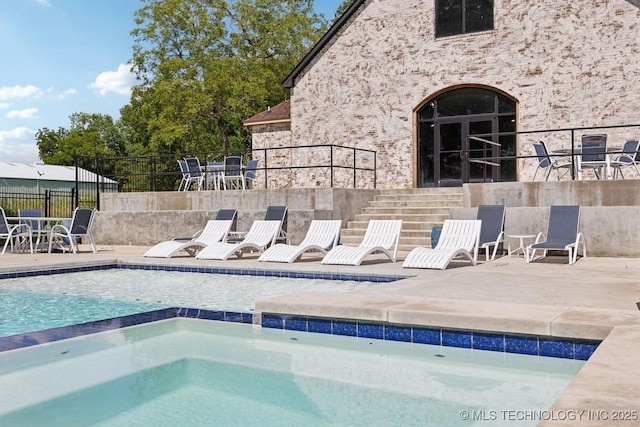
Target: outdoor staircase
column 420, row 209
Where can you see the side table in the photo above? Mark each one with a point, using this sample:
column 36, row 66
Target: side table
column 521, row 243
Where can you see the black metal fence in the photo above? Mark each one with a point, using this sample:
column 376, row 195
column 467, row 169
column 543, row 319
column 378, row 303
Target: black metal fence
column 52, row 203
column 162, row 173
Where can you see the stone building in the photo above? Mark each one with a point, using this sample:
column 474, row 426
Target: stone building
column 411, row 80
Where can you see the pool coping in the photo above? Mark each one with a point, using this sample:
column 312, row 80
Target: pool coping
column 527, row 344
column 81, row 267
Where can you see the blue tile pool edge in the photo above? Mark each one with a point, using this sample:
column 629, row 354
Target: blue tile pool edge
column 505, row 343
column 565, row 348
column 29, row 339
column 522, row 344
column 263, row 273
column 205, row 270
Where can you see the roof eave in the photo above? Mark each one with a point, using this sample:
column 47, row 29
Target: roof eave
column 289, row 82
column 267, row 122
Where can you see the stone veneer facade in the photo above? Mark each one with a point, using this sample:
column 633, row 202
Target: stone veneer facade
column 566, row 64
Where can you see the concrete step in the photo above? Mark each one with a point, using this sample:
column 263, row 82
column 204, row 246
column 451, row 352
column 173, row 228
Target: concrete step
column 434, row 190
column 405, row 210
column 418, row 203
column 365, row 218
column 419, row 209
column 418, row 197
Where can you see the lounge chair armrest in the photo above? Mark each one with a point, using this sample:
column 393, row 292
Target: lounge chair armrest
column 20, row 229
column 55, row 228
column 186, row 239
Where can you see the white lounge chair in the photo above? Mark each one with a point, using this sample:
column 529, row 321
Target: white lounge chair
column 215, row 231
column 459, row 238
column 321, row 237
column 273, row 213
column 381, row 236
column 261, row 235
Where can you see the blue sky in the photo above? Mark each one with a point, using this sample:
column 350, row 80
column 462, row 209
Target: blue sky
column 62, row 57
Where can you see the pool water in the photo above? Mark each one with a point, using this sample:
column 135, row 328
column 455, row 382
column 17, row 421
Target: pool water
column 40, row 302
column 195, row 372
column 23, row 312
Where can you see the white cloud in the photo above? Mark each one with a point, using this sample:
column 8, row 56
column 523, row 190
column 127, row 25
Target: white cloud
column 4, row 105
column 21, row 132
column 27, row 113
column 67, row 93
column 119, row 81
column 18, row 145
column 15, row 92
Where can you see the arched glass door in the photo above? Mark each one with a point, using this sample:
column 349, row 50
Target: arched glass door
column 444, row 148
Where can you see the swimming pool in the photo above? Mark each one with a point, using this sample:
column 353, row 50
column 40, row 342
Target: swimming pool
column 48, row 301
column 197, row 372
column 23, row 311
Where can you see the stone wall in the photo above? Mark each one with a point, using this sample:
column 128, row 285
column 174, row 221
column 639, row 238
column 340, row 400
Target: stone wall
column 270, row 136
column 308, row 165
column 568, row 64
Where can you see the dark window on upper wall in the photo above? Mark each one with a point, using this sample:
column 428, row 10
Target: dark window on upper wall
column 463, row 16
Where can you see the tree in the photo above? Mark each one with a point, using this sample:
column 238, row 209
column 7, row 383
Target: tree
column 206, row 65
column 48, row 142
column 343, row 8
column 89, row 135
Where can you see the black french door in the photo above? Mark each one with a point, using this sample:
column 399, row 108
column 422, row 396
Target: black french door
column 454, row 151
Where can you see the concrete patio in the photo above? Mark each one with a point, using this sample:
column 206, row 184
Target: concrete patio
column 592, row 299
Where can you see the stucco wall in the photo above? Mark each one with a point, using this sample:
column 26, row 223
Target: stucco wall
column 568, row 64
column 609, row 210
column 149, row 218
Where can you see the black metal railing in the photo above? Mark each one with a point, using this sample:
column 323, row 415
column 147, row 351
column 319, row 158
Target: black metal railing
column 568, row 135
column 162, row 173
column 52, row 203
column 327, row 165
column 309, row 157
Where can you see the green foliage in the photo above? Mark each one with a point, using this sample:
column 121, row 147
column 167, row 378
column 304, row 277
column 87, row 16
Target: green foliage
column 203, row 66
column 206, row 65
column 343, row 8
column 89, row 135
column 50, row 148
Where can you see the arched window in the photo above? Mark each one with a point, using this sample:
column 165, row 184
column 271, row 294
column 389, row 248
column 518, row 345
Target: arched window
column 446, row 153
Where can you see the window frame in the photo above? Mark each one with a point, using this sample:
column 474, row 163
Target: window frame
column 463, row 3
